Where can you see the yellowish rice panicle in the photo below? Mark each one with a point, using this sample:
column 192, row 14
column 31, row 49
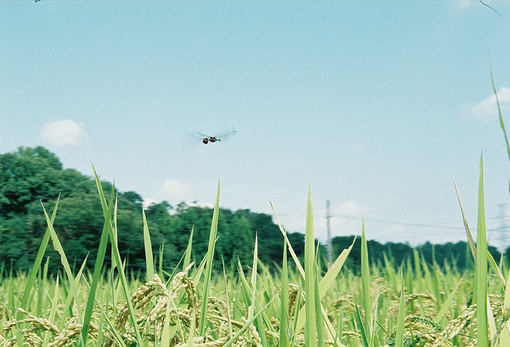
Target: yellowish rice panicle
column 37, row 322
column 293, row 292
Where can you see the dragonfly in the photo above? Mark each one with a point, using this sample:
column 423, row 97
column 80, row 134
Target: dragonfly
column 211, row 139
column 196, row 137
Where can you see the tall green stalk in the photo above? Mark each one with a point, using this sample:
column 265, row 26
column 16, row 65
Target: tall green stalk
column 33, row 272
column 399, row 338
column 118, row 261
column 284, row 301
column 101, row 252
column 481, row 268
column 209, row 263
column 310, row 268
column 365, row 283
column 149, row 257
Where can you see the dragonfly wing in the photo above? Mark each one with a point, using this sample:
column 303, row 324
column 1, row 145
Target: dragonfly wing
column 191, row 139
column 227, row 136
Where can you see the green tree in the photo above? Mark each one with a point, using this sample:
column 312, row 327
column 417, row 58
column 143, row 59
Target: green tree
column 15, row 243
column 27, row 175
column 162, row 223
column 269, row 236
column 176, row 229
column 31, row 175
column 236, row 240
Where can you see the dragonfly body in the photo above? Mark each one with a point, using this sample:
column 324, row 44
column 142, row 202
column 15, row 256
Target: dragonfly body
column 211, row 139
column 194, row 138
column 206, row 140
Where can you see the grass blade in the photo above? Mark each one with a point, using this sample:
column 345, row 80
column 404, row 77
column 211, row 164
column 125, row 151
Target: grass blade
column 361, row 327
column 118, row 260
column 329, row 278
column 101, row 252
column 63, row 259
column 318, row 306
column 53, row 311
column 251, row 308
column 34, row 270
column 187, row 256
column 248, row 323
column 259, row 322
column 448, row 302
column 149, row 258
column 365, row 283
column 310, row 268
column 209, row 263
column 399, row 338
column 471, row 241
column 481, row 268
column 291, row 250
column 326, row 282
column 284, row 300
column 501, row 122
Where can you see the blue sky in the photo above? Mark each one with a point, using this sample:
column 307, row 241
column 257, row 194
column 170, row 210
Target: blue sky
column 375, row 103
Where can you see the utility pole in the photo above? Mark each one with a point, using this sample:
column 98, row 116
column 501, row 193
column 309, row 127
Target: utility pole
column 330, row 244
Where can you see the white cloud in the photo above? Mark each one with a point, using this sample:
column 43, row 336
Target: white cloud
column 457, row 8
column 350, row 209
column 462, row 4
column 199, row 204
column 487, row 109
column 63, row 132
column 174, row 190
column 148, row 202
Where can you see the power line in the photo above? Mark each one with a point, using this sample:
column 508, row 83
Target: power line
column 398, row 223
column 420, row 225
column 381, row 221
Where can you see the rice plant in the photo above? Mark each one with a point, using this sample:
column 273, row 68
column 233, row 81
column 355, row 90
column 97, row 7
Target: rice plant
column 421, row 305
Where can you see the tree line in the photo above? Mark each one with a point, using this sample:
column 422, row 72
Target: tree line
column 30, row 176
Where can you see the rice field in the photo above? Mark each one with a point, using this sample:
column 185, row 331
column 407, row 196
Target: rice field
column 196, row 305
column 417, row 304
